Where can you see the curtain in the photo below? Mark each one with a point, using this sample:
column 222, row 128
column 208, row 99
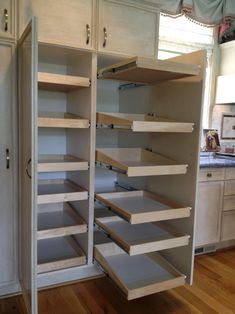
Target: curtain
column 209, row 12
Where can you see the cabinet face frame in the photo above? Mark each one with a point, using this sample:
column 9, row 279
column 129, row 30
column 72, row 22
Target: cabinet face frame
column 28, row 51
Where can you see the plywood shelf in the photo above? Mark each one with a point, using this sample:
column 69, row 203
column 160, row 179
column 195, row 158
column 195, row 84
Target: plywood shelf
column 148, row 71
column 50, row 163
column 61, row 120
column 141, row 206
column 142, row 122
column 140, row 275
column 54, row 191
column 141, row 238
column 59, row 82
column 59, row 253
column 138, row 162
column 62, row 222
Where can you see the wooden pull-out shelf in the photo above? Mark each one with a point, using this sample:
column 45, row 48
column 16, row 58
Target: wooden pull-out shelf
column 50, row 163
column 61, row 120
column 138, row 162
column 148, row 71
column 141, row 206
column 141, row 238
column 55, row 191
column 59, row 82
column 59, row 253
column 143, row 122
column 59, row 222
column 140, row 275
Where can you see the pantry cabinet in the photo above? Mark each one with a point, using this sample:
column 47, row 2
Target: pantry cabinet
column 8, row 170
column 127, row 29
column 123, row 157
column 8, row 10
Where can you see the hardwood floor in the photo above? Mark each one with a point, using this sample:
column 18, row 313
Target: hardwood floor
column 213, row 291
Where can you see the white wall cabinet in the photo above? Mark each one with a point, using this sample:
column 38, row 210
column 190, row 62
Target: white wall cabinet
column 127, row 29
column 8, row 171
column 70, row 23
column 7, row 19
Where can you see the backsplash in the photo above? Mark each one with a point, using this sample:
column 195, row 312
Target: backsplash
column 217, row 117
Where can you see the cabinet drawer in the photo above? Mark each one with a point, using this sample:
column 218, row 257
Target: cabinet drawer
column 229, row 187
column 7, row 18
column 229, row 202
column 211, row 174
column 228, row 226
column 229, row 173
column 140, row 275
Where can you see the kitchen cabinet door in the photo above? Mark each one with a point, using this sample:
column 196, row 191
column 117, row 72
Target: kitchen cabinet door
column 8, row 171
column 7, row 18
column 127, row 29
column 65, row 22
column 208, row 212
column 28, row 164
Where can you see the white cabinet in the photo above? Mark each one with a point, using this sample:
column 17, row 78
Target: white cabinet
column 7, row 19
column 127, row 29
column 8, row 171
column 62, row 22
column 208, row 215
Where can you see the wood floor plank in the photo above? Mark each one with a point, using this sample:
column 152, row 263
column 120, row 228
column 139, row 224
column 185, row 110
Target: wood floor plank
column 213, row 291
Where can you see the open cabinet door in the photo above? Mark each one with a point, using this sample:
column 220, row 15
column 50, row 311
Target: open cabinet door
column 28, row 161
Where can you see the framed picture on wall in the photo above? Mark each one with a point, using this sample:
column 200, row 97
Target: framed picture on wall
column 228, row 126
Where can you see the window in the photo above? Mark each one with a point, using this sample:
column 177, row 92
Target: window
column 180, row 35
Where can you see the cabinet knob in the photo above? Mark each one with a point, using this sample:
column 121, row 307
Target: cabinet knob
column 88, row 34
column 209, row 174
column 105, row 36
column 6, row 20
column 7, row 158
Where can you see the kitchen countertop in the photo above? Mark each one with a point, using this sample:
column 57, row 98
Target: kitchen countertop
column 213, row 160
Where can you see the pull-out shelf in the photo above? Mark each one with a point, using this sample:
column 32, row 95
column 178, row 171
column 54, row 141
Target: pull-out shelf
column 140, row 275
column 59, row 253
column 141, row 206
column 59, row 220
column 55, row 191
column 61, row 120
column 59, row 82
column 142, row 122
column 148, row 71
column 50, row 163
column 141, row 238
column 138, row 162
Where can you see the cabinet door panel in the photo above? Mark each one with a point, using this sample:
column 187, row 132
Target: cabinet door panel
column 8, row 223
column 28, row 164
column 228, row 226
column 208, row 212
column 65, row 22
column 129, row 30
column 7, row 18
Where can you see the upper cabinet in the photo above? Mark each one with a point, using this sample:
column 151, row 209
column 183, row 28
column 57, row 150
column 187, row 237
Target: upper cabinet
column 62, row 22
column 127, row 29
column 7, row 19
column 122, row 27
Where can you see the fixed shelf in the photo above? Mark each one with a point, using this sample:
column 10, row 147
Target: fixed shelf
column 142, row 122
column 60, row 82
column 62, row 221
column 50, row 163
column 61, row 120
column 141, row 238
column 138, row 162
column 139, row 275
column 59, row 253
column 142, row 206
column 148, row 70
column 59, row 190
